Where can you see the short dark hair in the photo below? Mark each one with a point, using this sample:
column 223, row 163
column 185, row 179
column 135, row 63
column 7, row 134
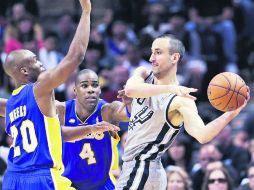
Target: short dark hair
column 175, row 45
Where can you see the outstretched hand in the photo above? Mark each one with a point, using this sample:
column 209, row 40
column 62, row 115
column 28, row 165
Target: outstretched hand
column 125, row 99
column 238, row 110
column 104, row 126
column 86, row 5
column 183, row 91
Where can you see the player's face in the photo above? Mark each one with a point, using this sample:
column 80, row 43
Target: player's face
column 160, row 57
column 175, row 182
column 34, row 65
column 87, row 91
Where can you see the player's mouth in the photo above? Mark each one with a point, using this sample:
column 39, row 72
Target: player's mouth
column 91, row 99
column 154, row 64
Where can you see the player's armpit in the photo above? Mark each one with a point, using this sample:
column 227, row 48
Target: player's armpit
column 2, row 106
column 60, row 106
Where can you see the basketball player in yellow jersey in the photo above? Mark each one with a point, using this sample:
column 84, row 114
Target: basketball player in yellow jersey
column 157, row 116
column 34, row 161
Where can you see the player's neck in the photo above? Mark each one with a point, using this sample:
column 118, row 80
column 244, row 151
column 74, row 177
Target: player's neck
column 167, row 80
column 82, row 113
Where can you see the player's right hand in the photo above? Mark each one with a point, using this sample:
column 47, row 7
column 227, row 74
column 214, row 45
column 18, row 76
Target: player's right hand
column 86, row 5
column 104, row 126
column 183, row 91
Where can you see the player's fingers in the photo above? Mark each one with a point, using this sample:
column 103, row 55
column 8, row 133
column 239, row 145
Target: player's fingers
column 113, row 128
column 191, row 97
column 192, row 90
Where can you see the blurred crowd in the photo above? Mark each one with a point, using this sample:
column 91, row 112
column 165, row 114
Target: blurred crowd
column 218, row 36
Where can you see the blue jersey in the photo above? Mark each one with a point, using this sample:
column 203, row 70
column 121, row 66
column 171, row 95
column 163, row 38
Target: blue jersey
column 88, row 162
column 37, row 141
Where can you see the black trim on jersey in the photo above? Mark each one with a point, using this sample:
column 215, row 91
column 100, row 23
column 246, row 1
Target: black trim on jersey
column 132, row 176
column 162, row 147
column 171, row 139
column 144, row 176
column 134, row 173
column 149, row 75
column 175, row 127
column 159, row 139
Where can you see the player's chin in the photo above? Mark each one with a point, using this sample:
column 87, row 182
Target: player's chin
column 91, row 106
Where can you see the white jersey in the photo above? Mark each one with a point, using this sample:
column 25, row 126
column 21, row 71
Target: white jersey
column 150, row 133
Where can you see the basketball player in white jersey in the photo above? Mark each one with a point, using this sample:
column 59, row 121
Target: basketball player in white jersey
column 157, row 116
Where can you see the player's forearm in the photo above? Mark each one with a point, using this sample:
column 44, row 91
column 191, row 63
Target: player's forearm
column 216, row 126
column 53, row 78
column 145, row 90
column 80, row 41
column 206, row 133
column 75, row 133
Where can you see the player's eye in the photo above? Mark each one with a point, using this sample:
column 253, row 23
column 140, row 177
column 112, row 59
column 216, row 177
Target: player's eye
column 84, row 85
column 158, row 52
column 95, row 85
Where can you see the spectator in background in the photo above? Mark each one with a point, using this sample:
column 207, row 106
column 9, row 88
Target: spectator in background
column 179, row 153
column 134, row 59
column 178, row 179
column 233, row 150
column 65, row 32
column 22, row 29
column 117, row 43
column 208, row 153
column 248, row 183
column 216, row 15
column 218, row 179
column 156, row 14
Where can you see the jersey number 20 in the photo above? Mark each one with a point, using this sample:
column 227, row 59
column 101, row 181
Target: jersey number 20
column 27, row 132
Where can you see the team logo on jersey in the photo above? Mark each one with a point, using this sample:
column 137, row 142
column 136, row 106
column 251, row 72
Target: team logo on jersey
column 72, row 120
column 141, row 117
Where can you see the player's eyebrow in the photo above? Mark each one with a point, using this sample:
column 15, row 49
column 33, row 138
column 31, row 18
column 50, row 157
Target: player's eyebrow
column 86, row 81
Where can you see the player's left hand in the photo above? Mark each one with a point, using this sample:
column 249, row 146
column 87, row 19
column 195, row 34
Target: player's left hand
column 125, row 99
column 183, row 91
column 104, row 126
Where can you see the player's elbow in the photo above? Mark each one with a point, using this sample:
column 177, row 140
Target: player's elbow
column 75, row 57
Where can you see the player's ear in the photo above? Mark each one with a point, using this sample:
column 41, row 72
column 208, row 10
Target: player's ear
column 175, row 57
column 74, row 91
column 24, row 70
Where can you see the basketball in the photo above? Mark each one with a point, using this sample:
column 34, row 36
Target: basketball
column 227, row 91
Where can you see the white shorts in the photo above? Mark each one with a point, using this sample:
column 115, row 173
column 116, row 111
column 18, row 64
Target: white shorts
column 139, row 175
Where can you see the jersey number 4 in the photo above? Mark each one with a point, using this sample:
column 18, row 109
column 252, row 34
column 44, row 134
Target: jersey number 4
column 87, row 153
column 27, row 132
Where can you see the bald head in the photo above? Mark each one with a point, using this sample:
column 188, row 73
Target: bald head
column 15, row 60
column 23, row 66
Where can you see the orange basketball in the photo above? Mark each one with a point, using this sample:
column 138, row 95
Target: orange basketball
column 227, row 91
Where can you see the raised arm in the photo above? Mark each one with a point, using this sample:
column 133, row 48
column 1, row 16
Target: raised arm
column 193, row 123
column 2, row 106
column 50, row 79
column 137, row 88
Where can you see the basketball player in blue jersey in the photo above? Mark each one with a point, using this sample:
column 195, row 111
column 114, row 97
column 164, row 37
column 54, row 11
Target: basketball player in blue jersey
column 157, row 116
column 35, row 158
column 89, row 161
